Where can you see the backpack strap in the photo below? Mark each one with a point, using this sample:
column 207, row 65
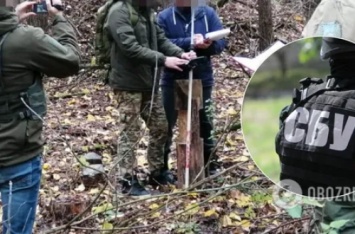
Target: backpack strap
column 311, row 87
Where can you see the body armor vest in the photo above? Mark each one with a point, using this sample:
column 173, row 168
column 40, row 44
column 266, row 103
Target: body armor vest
column 316, row 142
column 21, row 105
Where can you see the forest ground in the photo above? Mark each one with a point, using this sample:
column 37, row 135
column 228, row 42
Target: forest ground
column 82, row 117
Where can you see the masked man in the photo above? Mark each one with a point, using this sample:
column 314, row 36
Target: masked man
column 139, row 48
column 334, row 19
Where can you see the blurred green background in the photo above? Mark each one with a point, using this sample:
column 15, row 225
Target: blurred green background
column 269, row 90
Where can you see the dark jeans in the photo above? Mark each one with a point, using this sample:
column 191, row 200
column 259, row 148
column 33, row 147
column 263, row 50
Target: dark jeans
column 206, row 125
column 19, row 200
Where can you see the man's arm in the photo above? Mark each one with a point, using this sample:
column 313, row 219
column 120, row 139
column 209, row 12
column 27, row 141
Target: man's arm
column 217, row 46
column 182, row 42
column 57, row 56
column 124, row 37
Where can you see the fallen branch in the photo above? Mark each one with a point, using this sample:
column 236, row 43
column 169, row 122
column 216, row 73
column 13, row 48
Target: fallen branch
column 286, row 223
column 221, row 191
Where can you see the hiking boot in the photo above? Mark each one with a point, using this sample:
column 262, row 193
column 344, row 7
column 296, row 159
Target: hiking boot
column 213, row 167
column 161, row 177
column 132, row 187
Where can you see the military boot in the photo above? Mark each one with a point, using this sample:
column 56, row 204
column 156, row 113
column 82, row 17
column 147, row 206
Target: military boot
column 213, row 164
column 213, row 167
column 161, row 177
column 132, row 187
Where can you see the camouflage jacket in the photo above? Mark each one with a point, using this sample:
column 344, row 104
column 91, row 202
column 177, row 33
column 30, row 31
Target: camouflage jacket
column 28, row 51
column 136, row 50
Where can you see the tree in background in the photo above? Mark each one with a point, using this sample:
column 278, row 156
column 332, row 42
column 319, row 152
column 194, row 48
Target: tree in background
column 266, row 33
column 308, row 7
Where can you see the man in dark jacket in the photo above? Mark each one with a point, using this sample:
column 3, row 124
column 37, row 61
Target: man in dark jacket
column 138, row 50
column 26, row 53
column 316, row 140
column 176, row 22
column 334, row 19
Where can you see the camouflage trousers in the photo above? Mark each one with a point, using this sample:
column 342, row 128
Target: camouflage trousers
column 133, row 107
column 335, row 210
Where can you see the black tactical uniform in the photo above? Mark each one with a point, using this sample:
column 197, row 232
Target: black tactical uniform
column 316, row 141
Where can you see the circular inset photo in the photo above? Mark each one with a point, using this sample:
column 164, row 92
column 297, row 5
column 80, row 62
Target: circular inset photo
column 298, row 117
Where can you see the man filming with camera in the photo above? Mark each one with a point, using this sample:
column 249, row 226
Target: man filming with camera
column 26, row 54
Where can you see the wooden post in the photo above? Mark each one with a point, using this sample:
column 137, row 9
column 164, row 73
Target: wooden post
column 196, row 153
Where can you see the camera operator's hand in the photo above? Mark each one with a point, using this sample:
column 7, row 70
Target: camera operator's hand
column 24, row 10
column 51, row 9
column 174, row 63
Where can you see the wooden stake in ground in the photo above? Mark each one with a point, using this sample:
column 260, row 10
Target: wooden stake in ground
column 196, row 159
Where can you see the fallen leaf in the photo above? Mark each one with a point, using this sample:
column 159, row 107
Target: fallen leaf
column 107, row 225
column 56, row 176
column 94, row 191
column 192, row 209
column 71, row 102
column 245, row 224
column 210, row 213
column 242, row 159
column 232, row 112
column 91, row 118
column 235, row 216
column 298, row 18
column 226, row 221
column 85, row 91
column 192, row 194
column 55, row 188
column 156, row 215
column 80, row 188
column 46, row 166
column 243, row 200
column 154, row 206
column 100, row 209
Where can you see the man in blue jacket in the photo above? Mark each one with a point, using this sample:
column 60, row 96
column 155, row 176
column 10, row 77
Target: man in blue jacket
column 176, row 22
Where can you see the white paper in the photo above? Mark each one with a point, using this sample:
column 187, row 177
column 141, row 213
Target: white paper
column 217, row 35
column 254, row 63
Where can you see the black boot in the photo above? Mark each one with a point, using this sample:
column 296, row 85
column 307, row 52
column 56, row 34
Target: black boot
column 213, row 164
column 213, row 167
column 161, row 177
column 132, row 187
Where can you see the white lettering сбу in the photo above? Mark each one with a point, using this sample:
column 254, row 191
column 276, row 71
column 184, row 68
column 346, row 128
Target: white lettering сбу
column 342, row 136
column 315, row 131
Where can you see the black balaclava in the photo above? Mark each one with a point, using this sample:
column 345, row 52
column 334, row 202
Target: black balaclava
column 342, row 68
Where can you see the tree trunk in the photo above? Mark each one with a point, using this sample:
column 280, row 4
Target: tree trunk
column 266, row 33
column 39, row 21
column 308, row 7
column 281, row 57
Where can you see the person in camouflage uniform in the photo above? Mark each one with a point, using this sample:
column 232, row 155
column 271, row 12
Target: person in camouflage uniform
column 137, row 52
column 334, row 19
column 26, row 54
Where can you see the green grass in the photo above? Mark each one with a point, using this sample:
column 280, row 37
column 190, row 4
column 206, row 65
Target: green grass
column 260, row 124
